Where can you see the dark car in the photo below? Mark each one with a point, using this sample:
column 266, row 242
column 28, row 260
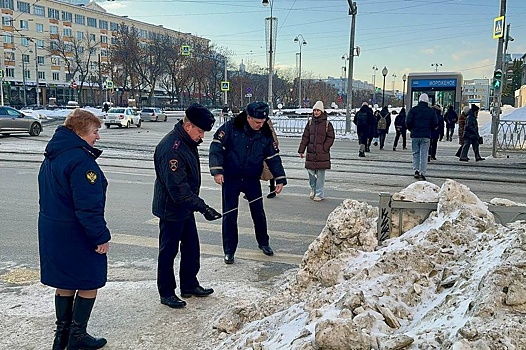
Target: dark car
column 13, row 121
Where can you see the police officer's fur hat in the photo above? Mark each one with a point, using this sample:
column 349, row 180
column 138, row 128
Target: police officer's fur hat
column 258, row 110
column 200, row 116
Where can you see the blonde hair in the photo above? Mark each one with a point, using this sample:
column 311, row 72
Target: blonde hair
column 80, row 121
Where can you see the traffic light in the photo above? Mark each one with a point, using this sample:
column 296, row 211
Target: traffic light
column 497, row 79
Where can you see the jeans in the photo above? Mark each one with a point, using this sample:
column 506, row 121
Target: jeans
column 317, row 181
column 420, row 146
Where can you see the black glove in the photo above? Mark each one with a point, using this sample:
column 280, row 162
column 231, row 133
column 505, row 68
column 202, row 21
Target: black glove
column 211, row 214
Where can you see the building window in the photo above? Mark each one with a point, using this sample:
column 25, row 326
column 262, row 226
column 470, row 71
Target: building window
column 92, row 37
column 7, row 21
column 24, row 41
column 55, row 61
column 67, row 16
column 23, row 6
column 103, row 53
column 67, row 32
column 41, row 60
column 69, row 76
column 10, row 72
column 42, row 75
column 92, row 22
column 53, row 29
column 52, row 13
column 56, row 76
column 80, row 19
column 27, row 74
column 103, row 24
column 8, row 4
column 39, row 10
column 114, row 27
column 113, row 40
column 40, row 43
column 80, row 35
column 8, row 38
column 9, row 56
column 25, row 58
column 103, row 39
column 24, row 24
column 39, row 27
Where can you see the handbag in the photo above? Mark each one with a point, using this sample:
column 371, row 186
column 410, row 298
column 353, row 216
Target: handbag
column 481, row 140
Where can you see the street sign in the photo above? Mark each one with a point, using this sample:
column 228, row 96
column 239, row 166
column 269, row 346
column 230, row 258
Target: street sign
column 498, row 27
column 249, row 90
column 74, row 85
column 248, row 95
column 109, row 84
column 185, row 50
column 225, row 86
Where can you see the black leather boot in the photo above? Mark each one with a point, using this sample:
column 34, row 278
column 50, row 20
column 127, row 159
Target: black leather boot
column 272, row 187
column 64, row 312
column 78, row 337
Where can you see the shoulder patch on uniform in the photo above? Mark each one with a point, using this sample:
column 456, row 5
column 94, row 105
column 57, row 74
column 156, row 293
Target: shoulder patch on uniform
column 176, row 145
column 91, row 176
column 221, row 135
column 173, row 163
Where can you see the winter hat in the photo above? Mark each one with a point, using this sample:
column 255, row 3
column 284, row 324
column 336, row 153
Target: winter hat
column 465, row 110
column 258, row 110
column 474, row 108
column 423, row 98
column 318, row 105
column 200, row 116
column 365, row 104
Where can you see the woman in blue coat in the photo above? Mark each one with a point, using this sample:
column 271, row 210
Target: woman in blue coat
column 72, row 232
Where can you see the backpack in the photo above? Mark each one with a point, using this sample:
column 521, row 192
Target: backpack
column 382, row 123
column 361, row 119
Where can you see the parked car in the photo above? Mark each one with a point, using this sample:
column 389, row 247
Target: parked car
column 122, row 116
column 14, row 121
column 153, row 114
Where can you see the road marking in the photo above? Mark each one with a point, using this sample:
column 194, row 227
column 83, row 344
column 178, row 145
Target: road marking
column 209, row 249
column 245, row 230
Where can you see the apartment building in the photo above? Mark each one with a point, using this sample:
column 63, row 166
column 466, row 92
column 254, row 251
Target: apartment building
column 32, row 75
column 477, row 91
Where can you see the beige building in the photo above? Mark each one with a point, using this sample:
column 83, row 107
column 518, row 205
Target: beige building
column 31, row 75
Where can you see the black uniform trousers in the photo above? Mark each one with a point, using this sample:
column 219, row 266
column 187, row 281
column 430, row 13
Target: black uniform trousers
column 231, row 191
column 173, row 233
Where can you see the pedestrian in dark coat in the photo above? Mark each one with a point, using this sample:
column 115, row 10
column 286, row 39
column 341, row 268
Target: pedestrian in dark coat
column 461, row 125
column 384, row 122
column 317, row 140
column 362, row 120
column 72, row 232
column 421, row 120
column 471, row 135
column 450, row 118
column 237, row 152
column 373, row 130
column 175, row 199
column 401, row 129
column 436, row 134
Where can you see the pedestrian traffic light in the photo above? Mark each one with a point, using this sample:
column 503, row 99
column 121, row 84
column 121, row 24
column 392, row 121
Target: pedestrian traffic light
column 497, row 79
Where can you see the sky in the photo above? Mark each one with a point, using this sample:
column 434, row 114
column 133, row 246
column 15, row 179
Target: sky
column 403, row 35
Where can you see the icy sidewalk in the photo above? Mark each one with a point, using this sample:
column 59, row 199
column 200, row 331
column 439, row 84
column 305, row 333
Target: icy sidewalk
column 127, row 311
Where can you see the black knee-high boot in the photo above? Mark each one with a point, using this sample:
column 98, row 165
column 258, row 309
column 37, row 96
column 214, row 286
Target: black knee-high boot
column 64, row 312
column 272, row 187
column 78, row 337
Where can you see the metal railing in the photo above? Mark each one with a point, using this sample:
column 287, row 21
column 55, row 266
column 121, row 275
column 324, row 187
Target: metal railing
column 511, row 136
column 295, row 124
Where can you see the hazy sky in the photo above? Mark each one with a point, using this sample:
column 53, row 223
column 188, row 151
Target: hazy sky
column 403, row 35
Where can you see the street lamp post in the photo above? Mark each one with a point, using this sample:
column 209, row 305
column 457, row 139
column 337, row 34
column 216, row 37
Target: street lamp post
column 404, row 78
column 22, row 53
column 270, row 41
column 345, row 58
column 436, row 65
column 353, row 11
column 384, row 73
column 375, row 69
column 301, row 42
column 394, row 79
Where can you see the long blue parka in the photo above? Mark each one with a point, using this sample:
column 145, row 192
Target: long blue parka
column 238, row 151
column 71, row 223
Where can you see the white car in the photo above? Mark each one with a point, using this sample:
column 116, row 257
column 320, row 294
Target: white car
column 122, row 116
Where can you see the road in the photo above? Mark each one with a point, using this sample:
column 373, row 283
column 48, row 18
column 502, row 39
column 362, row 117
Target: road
column 294, row 220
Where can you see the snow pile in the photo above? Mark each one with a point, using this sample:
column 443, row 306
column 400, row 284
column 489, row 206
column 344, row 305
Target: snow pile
column 456, row 281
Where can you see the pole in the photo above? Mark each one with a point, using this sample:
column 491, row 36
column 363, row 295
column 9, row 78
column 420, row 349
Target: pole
column 225, row 93
column 2, row 88
column 353, row 10
column 497, row 94
column 270, row 55
column 299, row 83
column 24, row 80
column 37, row 88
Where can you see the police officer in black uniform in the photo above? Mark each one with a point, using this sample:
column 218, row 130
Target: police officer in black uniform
column 237, row 152
column 175, row 199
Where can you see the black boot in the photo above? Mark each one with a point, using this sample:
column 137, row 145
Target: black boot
column 64, row 312
column 272, row 187
column 78, row 337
